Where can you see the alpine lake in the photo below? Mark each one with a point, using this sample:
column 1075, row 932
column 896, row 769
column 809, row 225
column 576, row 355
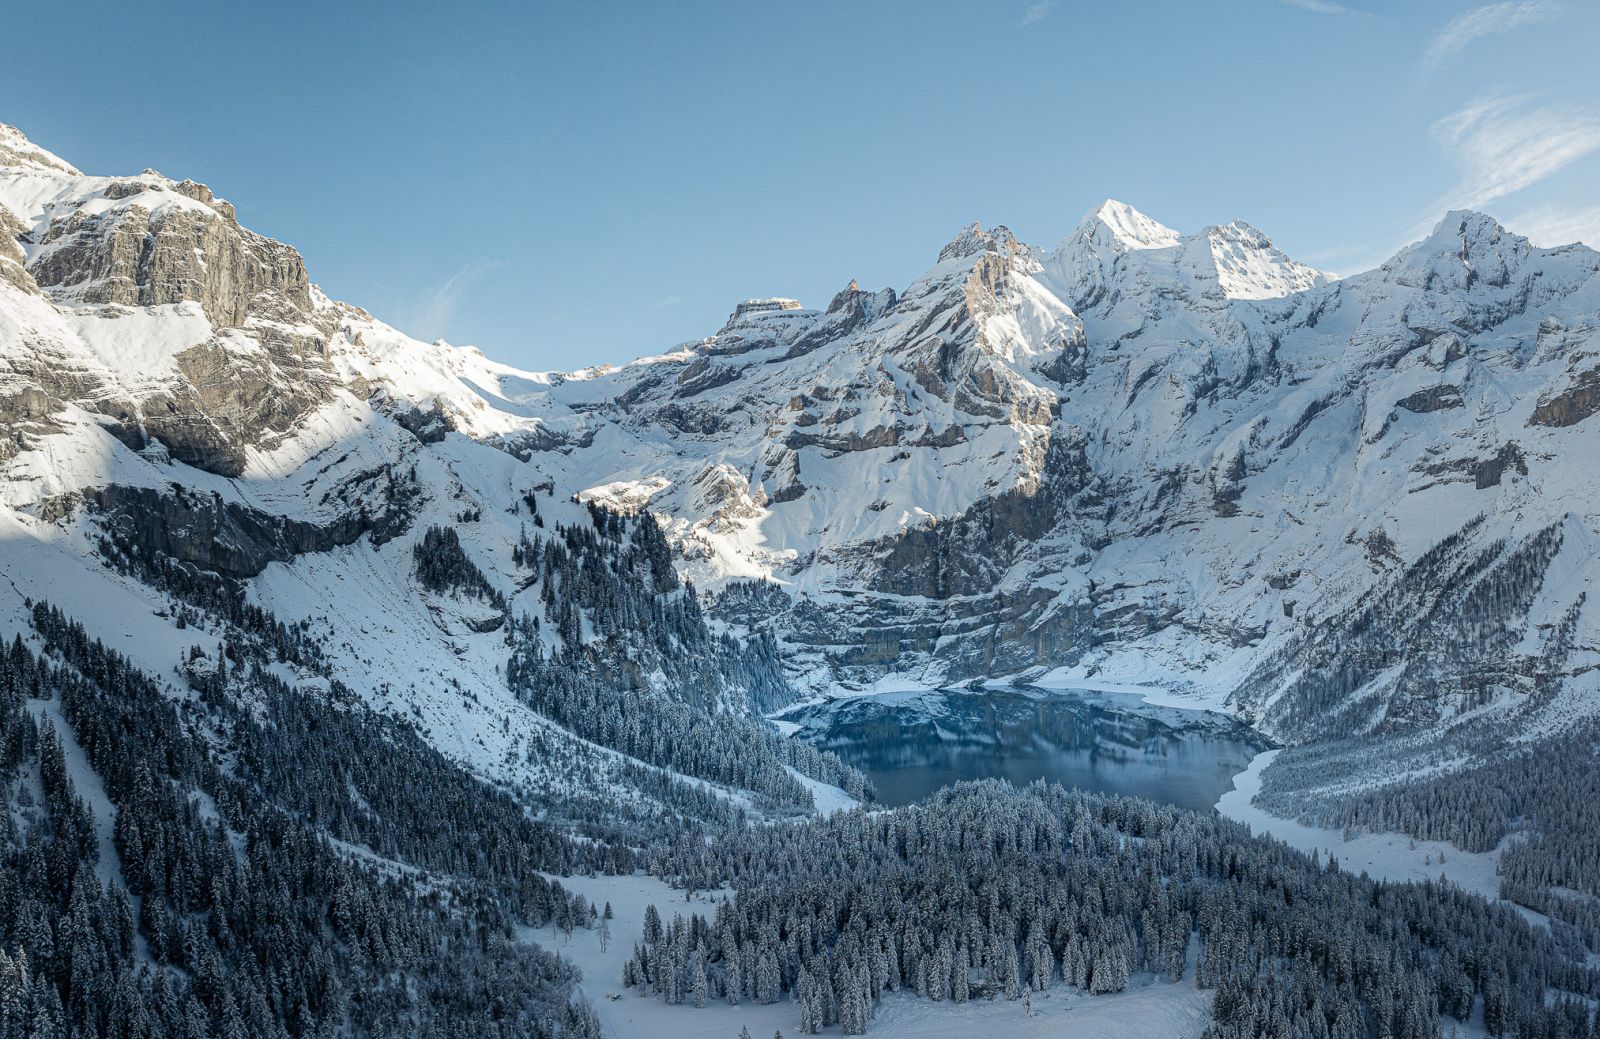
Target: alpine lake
column 910, row 744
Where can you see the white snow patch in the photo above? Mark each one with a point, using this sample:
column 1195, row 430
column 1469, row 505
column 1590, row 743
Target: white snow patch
column 828, row 798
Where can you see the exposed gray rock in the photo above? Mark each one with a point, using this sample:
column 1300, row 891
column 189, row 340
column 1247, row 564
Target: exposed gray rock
column 1434, row 398
column 225, row 537
column 12, row 258
column 134, row 257
column 1489, row 472
column 429, row 426
column 1579, row 399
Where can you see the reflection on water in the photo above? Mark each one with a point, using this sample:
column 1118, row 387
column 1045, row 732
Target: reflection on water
column 910, row 744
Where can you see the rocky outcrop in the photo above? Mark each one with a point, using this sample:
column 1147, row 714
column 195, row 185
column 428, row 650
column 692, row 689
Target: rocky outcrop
column 1579, row 399
column 768, row 305
column 429, row 425
column 152, row 251
column 12, row 259
column 24, row 416
column 1434, row 398
column 1489, row 472
column 225, row 537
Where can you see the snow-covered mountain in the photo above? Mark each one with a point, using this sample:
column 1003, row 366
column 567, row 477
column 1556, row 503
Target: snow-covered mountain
column 1138, row 456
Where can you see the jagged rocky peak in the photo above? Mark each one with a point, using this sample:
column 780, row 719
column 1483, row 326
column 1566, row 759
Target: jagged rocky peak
column 973, row 240
column 1465, row 249
column 857, row 305
column 842, row 298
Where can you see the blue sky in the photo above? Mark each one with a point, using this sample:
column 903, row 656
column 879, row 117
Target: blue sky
column 563, row 184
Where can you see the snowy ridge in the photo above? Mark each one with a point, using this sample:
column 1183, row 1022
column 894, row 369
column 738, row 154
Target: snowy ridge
column 1141, row 456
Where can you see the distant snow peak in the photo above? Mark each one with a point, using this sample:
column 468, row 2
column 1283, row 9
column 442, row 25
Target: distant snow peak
column 1127, row 228
column 1118, row 252
column 1249, row 266
column 1473, row 229
column 1465, row 249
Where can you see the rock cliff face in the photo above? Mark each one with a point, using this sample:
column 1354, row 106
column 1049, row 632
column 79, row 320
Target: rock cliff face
column 143, row 250
column 1139, row 455
column 199, row 333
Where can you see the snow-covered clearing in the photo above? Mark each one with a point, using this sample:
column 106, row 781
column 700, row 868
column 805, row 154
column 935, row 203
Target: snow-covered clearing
column 1149, row 1008
column 1382, row 856
column 86, row 783
column 828, row 798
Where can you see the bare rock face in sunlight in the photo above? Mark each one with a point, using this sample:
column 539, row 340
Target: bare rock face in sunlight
column 144, row 250
column 12, row 259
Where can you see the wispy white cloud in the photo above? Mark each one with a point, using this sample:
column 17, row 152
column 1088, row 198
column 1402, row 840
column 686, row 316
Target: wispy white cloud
column 434, row 310
column 1501, row 144
column 1038, row 12
column 664, row 302
column 1319, row 6
column 1550, row 226
column 1489, row 20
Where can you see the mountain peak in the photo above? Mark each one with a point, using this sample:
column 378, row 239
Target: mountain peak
column 1249, row 266
column 1465, row 248
column 1116, row 243
column 1124, row 228
column 17, row 151
column 1470, row 227
column 764, row 305
column 967, row 242
column 973, row 239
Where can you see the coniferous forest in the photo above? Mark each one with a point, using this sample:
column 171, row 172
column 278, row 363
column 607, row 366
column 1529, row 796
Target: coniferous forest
column 163, row 852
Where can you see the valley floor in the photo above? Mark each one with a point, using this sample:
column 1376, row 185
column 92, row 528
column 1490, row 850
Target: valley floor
column 1148, row 1008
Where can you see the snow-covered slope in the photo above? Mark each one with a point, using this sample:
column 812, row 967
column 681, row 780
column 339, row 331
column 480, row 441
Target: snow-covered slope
column 1139, row 456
